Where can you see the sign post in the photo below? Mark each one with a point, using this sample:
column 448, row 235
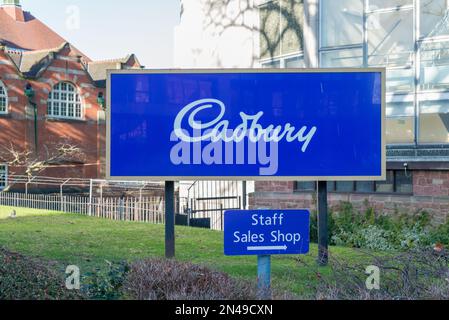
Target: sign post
column 323, row 236
column 264, row 233
column 169, row 219
column 264, row 277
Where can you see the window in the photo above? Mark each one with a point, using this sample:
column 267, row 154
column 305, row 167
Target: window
column 64, row 102
column 342, row 22
column 390, row 38
column 3, row 99
column 435, row 65
column 386, row 186
column 3, row 176
column 434, row 122
column 345, row 58
column 281, row 24
column 400, row 122
column 291, row 62
column 400, row 182
column 432, row 14
column 305, row 186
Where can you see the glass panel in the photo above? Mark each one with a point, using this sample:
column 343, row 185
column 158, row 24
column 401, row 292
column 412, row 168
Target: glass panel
column 398, row 109
column 432, row 14
column 386, row 186
column 364, row 186
column 435, row 65
column 404, row 182
column 400, row 80
column 434, row 122
column 270, row 30
column 345, row 186
column 55, row 109
column 292, row 19
column 348, row 58
column 390, row 38
column 385, row 4
column 297, row 62
column 342, row 22
column 273, row 64
column 63, row 109
column 305, row 186
column 2, row 104
column 331, row 186
column 400, row 123
column 400, row 130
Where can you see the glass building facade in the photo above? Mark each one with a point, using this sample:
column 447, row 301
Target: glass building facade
column 408, row 37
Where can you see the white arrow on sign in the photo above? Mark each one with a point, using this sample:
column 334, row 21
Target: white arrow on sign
column 283, row 248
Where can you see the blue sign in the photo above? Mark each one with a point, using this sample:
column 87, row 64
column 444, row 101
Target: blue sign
column 266, row 232
column 246, row 124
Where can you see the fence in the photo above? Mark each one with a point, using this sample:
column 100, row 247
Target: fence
column 145, row 209
column 208, row 200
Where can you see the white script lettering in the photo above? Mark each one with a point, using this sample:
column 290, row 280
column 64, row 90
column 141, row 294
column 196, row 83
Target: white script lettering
column 218, row 129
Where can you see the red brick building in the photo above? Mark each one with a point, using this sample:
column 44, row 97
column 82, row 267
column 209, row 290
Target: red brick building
column 50, row 100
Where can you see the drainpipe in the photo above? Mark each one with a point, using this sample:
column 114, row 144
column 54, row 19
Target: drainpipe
column 29, row 93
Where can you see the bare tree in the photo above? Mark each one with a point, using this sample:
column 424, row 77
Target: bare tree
column 33, row 164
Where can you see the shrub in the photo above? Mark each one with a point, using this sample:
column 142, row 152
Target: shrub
column 24, row 278
column 106, row 284
column 420, row 274
column 440, row 234
column 157, row 279
column 368, row 229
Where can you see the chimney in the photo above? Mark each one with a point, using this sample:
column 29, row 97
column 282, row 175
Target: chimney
column 13, row 9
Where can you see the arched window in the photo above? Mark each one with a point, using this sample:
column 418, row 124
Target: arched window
column 3, row 99
column 64, row 102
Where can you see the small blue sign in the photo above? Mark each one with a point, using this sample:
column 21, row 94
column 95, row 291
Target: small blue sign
column 266, row 232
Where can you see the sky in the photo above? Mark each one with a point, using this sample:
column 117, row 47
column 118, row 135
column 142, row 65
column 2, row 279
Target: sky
column 107, row 29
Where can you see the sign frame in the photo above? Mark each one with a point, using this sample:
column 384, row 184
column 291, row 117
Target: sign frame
column 382, row 177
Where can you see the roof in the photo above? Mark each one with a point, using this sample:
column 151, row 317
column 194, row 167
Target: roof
column 98, row 69
column 30, row 63
column 32, row 46
column 31, row 34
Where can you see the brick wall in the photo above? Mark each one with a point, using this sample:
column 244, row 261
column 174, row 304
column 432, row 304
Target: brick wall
column 17, row 127
column 431, row 183
column 431, row 194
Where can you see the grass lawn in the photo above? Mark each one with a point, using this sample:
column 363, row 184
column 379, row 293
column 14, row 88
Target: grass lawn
column 88, row 242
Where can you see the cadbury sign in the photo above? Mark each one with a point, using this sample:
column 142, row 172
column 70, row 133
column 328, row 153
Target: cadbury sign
column 246, row 124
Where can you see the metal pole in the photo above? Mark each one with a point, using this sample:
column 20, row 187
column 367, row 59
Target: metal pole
column 91, row 186
column 169, row 219
column 323, row 245
column 244, row 194
column 264, row 277
column 62, row 194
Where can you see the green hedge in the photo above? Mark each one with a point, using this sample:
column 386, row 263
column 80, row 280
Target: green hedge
column 371, row 230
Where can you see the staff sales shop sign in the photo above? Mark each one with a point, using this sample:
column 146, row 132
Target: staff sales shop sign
column 246, row 124
column 266, row 232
